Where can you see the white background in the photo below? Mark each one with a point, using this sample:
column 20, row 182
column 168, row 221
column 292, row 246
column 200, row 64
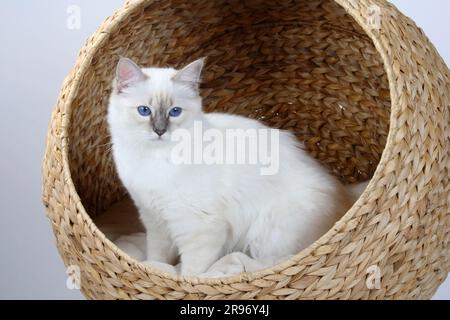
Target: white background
column 37, row 51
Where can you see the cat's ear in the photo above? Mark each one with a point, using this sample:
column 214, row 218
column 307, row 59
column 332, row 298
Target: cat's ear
column 128, row 74
column 191, row 74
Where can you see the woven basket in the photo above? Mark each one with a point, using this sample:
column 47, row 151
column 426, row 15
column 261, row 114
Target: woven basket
column 368, row 101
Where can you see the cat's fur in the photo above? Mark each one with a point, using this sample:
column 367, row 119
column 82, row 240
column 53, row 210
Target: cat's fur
column 202, row 212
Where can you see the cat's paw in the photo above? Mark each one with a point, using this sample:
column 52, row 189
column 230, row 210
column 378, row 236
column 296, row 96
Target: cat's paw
column 160, row 266
column 192, row 270
column 198, row 259
column 157, row 257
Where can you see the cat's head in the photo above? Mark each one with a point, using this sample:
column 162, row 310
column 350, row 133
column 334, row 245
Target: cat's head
column 150, row 104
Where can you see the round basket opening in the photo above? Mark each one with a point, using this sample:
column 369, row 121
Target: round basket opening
column 305, row 66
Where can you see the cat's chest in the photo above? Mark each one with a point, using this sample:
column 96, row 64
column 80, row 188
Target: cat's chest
column 156, row 183
column 155, row 173
column 148, row 173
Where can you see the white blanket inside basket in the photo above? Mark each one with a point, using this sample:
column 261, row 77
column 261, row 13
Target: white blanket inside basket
column 121, row 225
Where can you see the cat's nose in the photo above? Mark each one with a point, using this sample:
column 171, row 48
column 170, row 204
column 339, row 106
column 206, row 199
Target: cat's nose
column 160, row 132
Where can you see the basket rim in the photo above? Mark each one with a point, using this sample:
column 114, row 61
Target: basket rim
column 110, row 25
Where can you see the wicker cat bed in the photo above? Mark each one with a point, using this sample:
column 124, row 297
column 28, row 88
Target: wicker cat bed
column 367, row 102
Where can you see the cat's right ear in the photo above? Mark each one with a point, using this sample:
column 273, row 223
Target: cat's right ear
column 128, row 74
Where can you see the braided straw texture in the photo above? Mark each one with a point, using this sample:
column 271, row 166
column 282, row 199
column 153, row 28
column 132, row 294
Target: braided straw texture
column 366, row 101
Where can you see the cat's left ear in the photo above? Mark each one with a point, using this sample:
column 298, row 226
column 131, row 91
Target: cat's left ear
column 191, row 74
column 128, row 74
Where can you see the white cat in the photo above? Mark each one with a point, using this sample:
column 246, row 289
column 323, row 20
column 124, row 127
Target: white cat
column 202, row 212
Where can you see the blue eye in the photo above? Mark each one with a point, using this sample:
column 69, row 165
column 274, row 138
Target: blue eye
column 175, row 112
column 144, row 111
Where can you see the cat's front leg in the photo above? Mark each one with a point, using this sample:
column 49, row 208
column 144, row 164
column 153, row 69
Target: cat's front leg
column 201, row 246
column 198, row 258
column 160, row 246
